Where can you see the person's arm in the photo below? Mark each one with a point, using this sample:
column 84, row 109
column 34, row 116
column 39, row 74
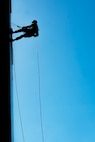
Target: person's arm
column 36, row 34
column 27, row 27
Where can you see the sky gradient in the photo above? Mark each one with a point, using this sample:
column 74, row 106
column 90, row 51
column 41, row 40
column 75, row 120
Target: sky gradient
column 66, row 47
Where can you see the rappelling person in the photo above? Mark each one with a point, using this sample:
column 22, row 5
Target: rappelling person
column 29, row 31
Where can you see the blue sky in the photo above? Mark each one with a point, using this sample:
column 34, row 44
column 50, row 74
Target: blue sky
column 66, row 47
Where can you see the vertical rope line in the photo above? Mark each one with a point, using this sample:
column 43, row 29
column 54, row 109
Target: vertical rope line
column 40, row 103
column 18, row 103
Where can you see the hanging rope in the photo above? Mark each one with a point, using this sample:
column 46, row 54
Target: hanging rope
column 40, row 103
column 18, row 104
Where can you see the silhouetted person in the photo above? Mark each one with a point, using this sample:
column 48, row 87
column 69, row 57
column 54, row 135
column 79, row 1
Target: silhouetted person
column 29, row 31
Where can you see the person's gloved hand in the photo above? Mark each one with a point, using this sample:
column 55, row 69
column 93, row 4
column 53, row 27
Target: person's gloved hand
column 24, row 28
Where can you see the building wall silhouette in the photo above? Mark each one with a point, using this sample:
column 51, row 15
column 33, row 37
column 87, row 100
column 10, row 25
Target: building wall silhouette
column 5, row 111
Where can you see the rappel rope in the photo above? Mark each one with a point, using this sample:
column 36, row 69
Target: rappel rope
column 18, row 103
column 40, row 104
column 16, row 25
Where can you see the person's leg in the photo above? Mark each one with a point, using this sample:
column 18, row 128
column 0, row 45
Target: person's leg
column 18, row 37
column 17, row 31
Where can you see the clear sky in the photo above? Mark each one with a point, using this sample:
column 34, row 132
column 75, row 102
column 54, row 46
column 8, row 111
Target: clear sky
column 66, row 47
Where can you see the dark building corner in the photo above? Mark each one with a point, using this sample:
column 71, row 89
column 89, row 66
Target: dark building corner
column 5, row 112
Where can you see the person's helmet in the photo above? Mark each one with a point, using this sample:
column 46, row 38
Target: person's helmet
column 34, row 21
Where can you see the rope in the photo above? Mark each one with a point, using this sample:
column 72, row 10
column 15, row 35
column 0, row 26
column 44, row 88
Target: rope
column 18, row 104
column 16, row 25
column 40, row 103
